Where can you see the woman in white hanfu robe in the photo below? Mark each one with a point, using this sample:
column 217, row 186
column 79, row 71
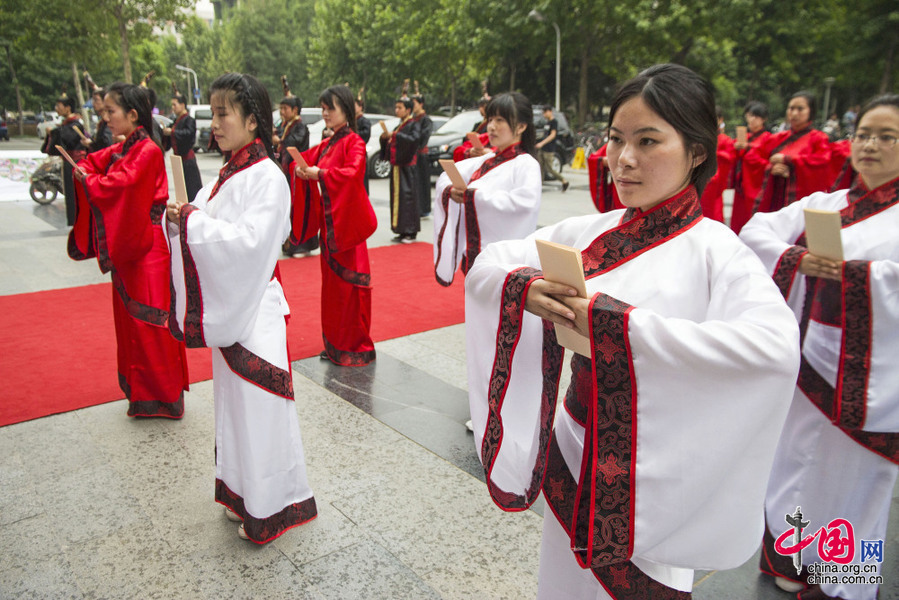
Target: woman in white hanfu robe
column 225, row 246
column 657, row 462
column 502, row 197
column 838, row 457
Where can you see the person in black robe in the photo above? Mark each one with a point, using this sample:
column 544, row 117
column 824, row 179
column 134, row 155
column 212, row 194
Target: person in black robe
column 426, row 126
column 102, row 138
column 69, row 136
column 181, row 137
column 292, row 133
column 363, row 128
column 401, row 148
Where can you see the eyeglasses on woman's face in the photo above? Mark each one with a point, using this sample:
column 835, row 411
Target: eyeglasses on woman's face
column 883, row 141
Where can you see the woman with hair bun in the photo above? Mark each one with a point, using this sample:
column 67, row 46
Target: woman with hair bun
column 229, row 298
column 122, row 191
column 338, row 210
column 655, row 466
column 502, row 197
column 838, row 457
column 791, row 164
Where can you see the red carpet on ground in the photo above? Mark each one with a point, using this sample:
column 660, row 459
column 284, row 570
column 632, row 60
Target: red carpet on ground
column 59, row 349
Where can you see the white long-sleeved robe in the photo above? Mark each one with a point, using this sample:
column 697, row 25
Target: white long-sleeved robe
column 227, row 298
column 837, row 457
column 503, row 204
column 694, row 359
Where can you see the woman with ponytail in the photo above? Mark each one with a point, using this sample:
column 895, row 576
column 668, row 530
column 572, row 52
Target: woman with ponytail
column 228, row 297
column 121, row 195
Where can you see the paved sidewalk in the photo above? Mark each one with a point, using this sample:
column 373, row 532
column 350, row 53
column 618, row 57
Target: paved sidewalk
column 96, row 505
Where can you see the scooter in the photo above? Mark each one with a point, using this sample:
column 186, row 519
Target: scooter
column 46, row 181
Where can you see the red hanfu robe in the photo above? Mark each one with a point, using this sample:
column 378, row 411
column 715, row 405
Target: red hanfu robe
column 119, row 207
column 338, row 208
column 463, row 150
column 806, row 152
column 602, row 188
column 748, row 179
column 712, row 199
column 841, row 171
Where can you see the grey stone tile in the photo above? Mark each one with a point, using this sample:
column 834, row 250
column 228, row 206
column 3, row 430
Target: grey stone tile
column 133, row 562
column 365, row 571
column 239, row 569
column 329, row 532
column 42, row 578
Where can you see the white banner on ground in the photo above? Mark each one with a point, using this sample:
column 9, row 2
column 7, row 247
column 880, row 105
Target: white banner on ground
column 16, row 167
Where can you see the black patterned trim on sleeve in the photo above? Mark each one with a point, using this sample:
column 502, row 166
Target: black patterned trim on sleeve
column 193, row 315
column 264, row 530
column 787, row 266
column 777, row 565
column 855, row 353
column 102, row 247
column 158, row 408
column 258, row 371
column 641, row 232
column 622, row 580
column 472, row 231
column 141, row 312
column 156, row 212
column 507, row 336
column 345, row 358
column 445, row 202
column 604, row 505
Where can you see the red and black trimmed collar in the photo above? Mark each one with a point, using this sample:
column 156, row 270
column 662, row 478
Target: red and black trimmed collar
column 496, row 160
column 246, row 157
column 640, row 231
column 136, row 136
column 71, row 119
column 336, row 137
column 864, row 203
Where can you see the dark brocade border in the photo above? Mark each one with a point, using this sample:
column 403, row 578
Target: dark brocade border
column 787, row 266
column 622, row 580
column 326, row 195
column 855, row 354
column 472, row 232
column 258, row 371
column 445, row 202
column 777, row 565
column 156, row 212
column 157, row 408
column 244, row 158
column 508, row 333
column 141, row 312
column 581, row 386
column 262, row 531
column 193, row 315
column 350, row 276
column 641, row 232
column 604, row 508
column 123, row 385
column 345, row 358
column 102, row 247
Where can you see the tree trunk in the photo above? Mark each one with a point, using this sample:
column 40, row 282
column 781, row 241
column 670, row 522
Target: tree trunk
column 79, row 95
column 582, row 89
column 15, row 81
column 512, row 76
column 452, row 95
column 118, row 11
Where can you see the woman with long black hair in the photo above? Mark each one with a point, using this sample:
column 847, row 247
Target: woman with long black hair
column 229, row 298
column 122, row 191
column 502, row 197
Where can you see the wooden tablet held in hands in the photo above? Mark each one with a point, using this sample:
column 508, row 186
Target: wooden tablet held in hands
column 742, row 134
column 475, row 140
column 383, row 126
column 295, row 154
column 563, row 264
column 455, row 176
column 822, row 233
column 178, row 179
column 66, row 156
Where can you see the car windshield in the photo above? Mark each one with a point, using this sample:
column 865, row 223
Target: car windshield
column 461, row 123
column 204, row 114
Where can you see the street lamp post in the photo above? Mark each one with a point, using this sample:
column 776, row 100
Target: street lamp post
column 536, row 15
column 196, row 94
column 828, row 81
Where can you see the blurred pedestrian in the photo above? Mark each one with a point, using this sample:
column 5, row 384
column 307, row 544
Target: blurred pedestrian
column 546, row 147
